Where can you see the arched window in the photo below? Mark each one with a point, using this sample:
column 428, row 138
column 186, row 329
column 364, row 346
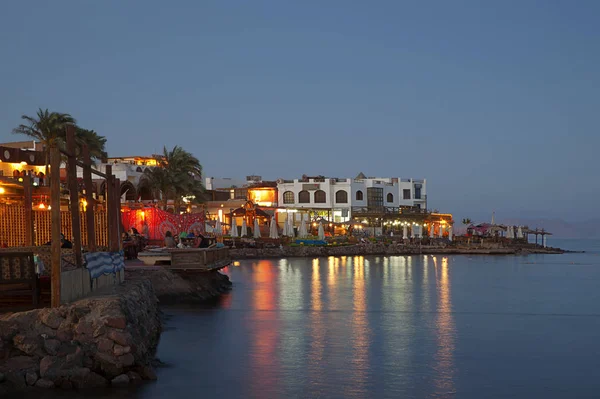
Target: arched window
column 288, row 197
column 320, row 197
column 359, row 195
column 304, row 197
column 390, row 197
column 341, row 197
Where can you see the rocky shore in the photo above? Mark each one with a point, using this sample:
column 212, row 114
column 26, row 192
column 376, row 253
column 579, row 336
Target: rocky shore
column 94, row 342
column 171, row 287
column 382, row 249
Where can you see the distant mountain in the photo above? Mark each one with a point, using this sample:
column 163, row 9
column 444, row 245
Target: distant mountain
column 560, row 228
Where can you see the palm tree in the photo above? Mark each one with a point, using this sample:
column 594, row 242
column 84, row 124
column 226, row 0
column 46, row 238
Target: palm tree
column 177, row 176
column 46, row 127
column 95, row 143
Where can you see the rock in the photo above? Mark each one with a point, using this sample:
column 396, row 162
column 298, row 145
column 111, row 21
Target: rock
column 120, row 337
column 95, row 381
column 64, row 335
column 133, row 376
column 16, row 379
column 51, row 346
column 122, row 379
column 121, row 350
column 31, row 378
column 147, row 373
column 76, row 358
column 101, row 330
column 127, row 360
column 105, row 345
column 21, row 363
column 43, row 383
column 52, row 319
column 109, row 364
column 46, row 364
column 26, row 344
column 116, row 322
column 66, row 385
column 84, row 328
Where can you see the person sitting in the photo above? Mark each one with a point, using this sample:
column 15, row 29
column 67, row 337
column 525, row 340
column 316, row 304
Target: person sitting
column 191, row 235
column 64, row 243
column 169, row 241
column 134, row 231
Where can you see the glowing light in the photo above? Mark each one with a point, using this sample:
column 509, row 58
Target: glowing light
column 2, row 191
column 21, row 179
column 42, row 206
column 23, row 163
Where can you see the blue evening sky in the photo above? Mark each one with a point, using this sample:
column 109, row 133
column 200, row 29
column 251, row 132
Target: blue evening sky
column 496, row 103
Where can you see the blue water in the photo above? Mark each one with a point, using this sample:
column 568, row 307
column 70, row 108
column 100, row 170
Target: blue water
column 393, row 327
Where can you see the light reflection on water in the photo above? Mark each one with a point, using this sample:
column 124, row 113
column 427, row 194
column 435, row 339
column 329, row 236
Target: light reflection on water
column 390, row 327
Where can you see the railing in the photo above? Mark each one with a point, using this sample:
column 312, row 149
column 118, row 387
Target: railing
column 388, row 210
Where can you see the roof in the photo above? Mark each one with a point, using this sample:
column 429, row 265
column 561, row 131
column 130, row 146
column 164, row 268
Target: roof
column 361, row 175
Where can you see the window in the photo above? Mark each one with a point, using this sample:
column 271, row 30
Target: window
column 303, row 197
column 341, row 197
column 390, row 197
column 359, row 195
column 288, row 197
column 406, row 193
column 418, row 191
column 374, row 197
column 320, row 197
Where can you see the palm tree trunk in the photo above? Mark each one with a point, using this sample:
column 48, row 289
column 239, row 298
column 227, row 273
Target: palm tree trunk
column 46, row 177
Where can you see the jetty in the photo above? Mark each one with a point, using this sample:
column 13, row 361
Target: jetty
column 187, row 259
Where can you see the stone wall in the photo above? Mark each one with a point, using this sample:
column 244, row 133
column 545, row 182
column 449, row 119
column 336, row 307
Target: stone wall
column 376, row 249
column 110, row 338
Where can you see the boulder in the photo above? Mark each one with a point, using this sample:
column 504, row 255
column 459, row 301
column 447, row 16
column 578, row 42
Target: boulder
column 52, row 319
column 18, row 363
column 127, row 360
column 147, row 373
column 26, row 343
column 100, row 330
column 105, row 345
column 120, row 337
column 116, row 322
column 51, row 367
column 51, row 346
column 122, row 379
column 121, row 350
column 133, row 376
column 31, row 378
column 43, row 383
column 110, row 365
column 95, row 381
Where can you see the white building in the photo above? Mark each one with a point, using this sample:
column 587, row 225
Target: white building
column 327, row 196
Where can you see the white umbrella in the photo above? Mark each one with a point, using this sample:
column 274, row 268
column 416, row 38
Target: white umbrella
column 291, row 225
column 273, row 229
column 208, row 228
column 412, row 231
column 233, row 230
column 441, row 231
column 431, row 229
column 520, row 232
column 391, row 233
column 218, row 228
column 510, row 233
column 405, row 232
column 321, row 231
column 244, row 229
column 303, row 232
column 450, row 233
column 256, row 229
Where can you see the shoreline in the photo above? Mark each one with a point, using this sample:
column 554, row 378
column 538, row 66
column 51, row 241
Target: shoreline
column 385, row 250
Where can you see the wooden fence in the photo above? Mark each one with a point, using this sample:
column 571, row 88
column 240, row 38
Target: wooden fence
column 13, row 228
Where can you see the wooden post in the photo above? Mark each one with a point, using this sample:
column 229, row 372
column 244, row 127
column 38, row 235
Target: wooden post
column 55, row 211
column 117, row 205
column 89, row 211
column 74, row 193
column 28, row 203
column 110, row 210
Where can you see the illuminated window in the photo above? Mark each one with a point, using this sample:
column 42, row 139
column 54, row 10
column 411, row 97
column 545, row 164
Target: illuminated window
column 359, row 195
column 341, row 197
column 304, row 197
column 390, row 197
column 288, row 197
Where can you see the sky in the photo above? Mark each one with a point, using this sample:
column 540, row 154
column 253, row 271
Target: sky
column 496, row 103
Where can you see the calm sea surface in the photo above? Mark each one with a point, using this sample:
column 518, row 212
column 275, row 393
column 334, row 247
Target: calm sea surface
column 392, row 327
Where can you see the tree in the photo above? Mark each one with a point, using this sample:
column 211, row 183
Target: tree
column 176, row 176
column 466, row 221
column 46, row 127
column 96, row 144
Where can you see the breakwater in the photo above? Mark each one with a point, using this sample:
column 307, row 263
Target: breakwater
column 382, row 249
column 94, row 342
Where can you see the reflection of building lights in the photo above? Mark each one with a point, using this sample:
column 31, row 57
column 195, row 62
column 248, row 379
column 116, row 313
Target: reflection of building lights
column 236, row 263
column 21, row 179
column 2, row 191
column 42, row 206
